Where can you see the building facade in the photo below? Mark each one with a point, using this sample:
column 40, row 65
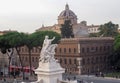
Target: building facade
column 35, row 54
column 85, row 55
column 93, row 28
column 77, row 55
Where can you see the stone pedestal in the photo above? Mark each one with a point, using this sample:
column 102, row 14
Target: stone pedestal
column 49, row 72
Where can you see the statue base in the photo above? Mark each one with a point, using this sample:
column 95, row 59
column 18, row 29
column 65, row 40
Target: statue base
column 50, row 72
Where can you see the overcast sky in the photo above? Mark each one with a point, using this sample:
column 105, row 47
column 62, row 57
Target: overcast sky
column 29, row 15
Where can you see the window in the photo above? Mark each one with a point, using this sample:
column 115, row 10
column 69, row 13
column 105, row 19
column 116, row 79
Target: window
column 60, row 50
column 104, row 58
column 83, row 50
column 75, row 61
column 104, row 48
column 69, row 61
column 25, row 49
column 65, row 61
column 100, row 48
column 83, row 61
column 64, row 50
column 87, row 49
column 26, row 59
column 100, row 59
column 96, row 48
column 74, row 50
column 23, row 58
column 36, row 59
column 88, row 60
column 108, row 47
column 96, row 59
column 69, row 50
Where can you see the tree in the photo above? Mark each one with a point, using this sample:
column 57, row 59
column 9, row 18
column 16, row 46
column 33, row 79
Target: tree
column 67, row 30
column 6, row 49
column 117, row 43
column 13, row 40
column 115, row 57
column 36, row 40
column 108, row 30
column 16, row 40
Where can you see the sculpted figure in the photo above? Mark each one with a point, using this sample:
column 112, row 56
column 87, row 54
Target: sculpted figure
column 48, row 50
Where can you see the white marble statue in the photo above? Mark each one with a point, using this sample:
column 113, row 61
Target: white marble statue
column 48, row 50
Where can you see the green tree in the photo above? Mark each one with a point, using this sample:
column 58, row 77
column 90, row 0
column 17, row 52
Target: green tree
column 13, row 40
column 67, row 30
column 117, row 43
column 108, row 30
column 4, row 48
column 115, row 57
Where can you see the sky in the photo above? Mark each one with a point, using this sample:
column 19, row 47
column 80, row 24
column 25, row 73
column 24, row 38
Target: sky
column 29, row 15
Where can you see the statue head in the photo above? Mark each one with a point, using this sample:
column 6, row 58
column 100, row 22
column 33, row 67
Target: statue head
column 46, row 37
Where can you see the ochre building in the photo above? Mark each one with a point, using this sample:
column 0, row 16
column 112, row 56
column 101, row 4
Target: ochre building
column 85, row 55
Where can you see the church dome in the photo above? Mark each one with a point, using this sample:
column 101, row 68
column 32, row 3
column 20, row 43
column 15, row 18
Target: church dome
column 67, row 14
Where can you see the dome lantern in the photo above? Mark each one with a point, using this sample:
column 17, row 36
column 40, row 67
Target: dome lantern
column 67, row 7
